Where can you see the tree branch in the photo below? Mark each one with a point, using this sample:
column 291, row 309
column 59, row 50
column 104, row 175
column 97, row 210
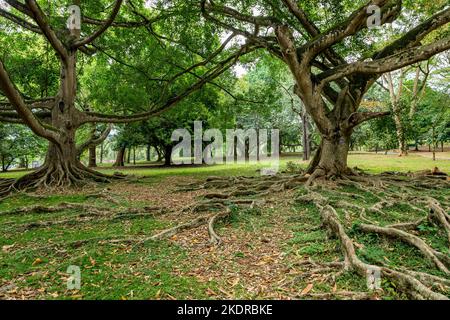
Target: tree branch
column 213, row 73
column 18, row 20
column 48, row 32
column 396, row 61
column 93, row 140
column 102, row 29
column 8, row 88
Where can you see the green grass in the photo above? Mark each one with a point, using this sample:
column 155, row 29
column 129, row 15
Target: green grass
column 372, row 163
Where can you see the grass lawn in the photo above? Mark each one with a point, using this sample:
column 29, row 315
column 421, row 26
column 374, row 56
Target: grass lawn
column 262, row 256
column 372, row 163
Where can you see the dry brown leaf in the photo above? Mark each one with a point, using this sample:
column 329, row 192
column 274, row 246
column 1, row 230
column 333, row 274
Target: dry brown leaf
column 37, row 261
column 307, row 289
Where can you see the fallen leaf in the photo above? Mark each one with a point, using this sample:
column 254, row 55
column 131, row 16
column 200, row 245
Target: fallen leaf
column 37, row 261
column 6, row 248
column 307, row 289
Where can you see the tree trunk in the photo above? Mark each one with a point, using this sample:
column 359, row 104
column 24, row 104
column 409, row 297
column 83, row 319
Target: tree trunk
column 102, row 150
column 334, row 154
column 3, row 164
column 160, row 154
column 134, row 155
column 92, row 157
column 168, row 155
column 129, row 155
column 306, row 142
column 148, row 154
column 120, row 159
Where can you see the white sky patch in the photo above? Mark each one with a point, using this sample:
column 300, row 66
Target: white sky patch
column 3, row 4
column 240, row 70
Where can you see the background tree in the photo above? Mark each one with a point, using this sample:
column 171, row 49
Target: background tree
column 332, row 68
column 58, row 116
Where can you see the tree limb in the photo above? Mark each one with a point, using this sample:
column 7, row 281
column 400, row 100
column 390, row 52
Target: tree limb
column 48, row 32
column 102, row 29
column 8, row 88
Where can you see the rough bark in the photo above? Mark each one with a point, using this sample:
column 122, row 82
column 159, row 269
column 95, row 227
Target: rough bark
column 120, row 159
column 168, row 155
column 92, row 157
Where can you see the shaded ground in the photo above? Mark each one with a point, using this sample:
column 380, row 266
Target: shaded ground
column 276, row 250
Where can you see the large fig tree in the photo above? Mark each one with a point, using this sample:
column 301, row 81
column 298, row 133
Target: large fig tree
column 334, row 61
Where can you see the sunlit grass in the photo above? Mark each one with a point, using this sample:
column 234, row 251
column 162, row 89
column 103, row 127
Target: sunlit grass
column 373, row 163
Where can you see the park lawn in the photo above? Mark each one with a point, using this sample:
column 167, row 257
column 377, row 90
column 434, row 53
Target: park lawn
column 258, row 260
column 372, row 163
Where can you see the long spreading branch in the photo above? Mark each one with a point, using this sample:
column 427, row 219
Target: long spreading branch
column 9, row 90
column 18, row 20
column 157, row 110
column 387, row 64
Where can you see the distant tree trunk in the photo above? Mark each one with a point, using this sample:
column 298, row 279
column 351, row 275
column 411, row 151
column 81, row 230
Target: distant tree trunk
column 306, row 142
column 102, row 150
column 23, row 164
column 159, row 153
column 168, row 155
column 129, row 155
column 92, row 157
column 434, row 144
column 395, row 101
column 442, row 146
column 148, row 154
column 120, row 162
column 134, row 155
column 4, row 169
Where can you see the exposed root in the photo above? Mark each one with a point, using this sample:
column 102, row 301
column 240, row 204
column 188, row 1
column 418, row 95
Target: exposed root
column 408, row 225
column 214, row 238
column 428, row 252
column 54, row 176
column 96, row 215
column 51, row 209
column 404, row 282
column 342, row 295
column 439, row 214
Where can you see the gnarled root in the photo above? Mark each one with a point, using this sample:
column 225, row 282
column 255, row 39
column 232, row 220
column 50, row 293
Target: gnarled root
column 411, row 239
column 439, row 215
column 405, row 282
column 54, row 176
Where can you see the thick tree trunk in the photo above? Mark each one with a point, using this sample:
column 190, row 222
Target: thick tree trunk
column 120, row 159
column 334, row 154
